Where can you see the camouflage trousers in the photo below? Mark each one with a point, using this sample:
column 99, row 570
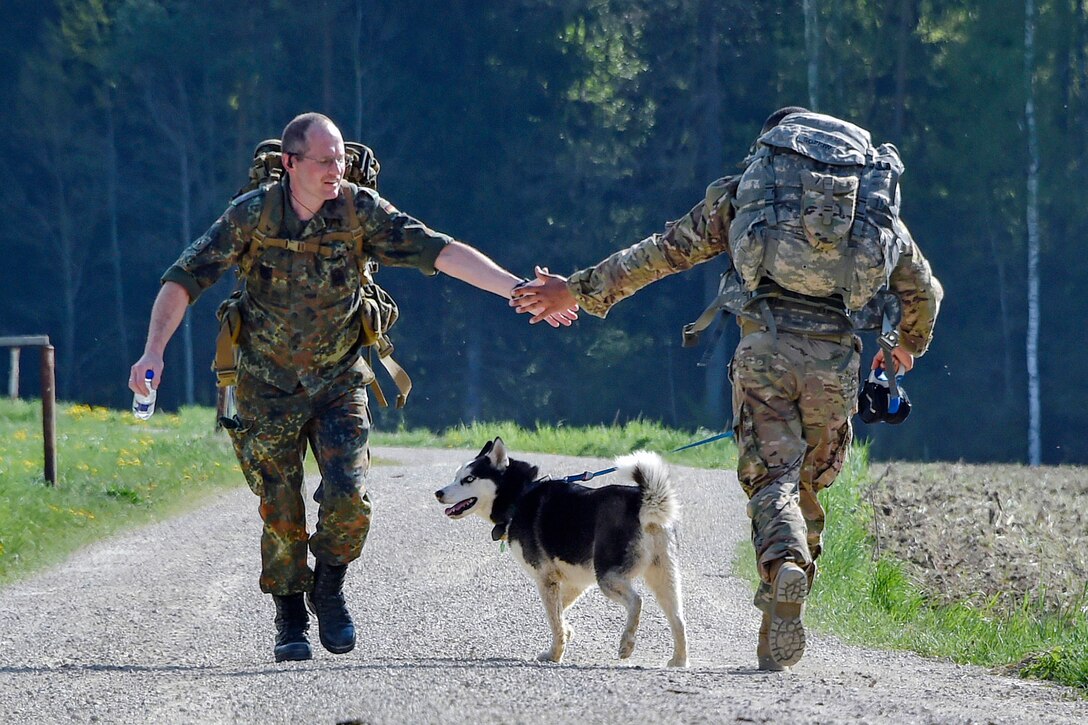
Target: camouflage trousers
column 276, row 427
column 793, row 398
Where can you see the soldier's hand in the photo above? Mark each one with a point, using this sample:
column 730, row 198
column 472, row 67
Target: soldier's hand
column 138, row 374
column 546, row 298
column 904, row 361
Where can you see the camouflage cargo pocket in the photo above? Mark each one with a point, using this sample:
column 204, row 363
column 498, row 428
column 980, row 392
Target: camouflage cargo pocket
column 827, row 208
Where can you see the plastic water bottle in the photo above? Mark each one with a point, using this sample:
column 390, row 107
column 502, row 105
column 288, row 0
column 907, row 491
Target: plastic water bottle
column 143, row 406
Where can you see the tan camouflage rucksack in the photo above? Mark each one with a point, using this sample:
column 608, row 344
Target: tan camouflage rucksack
column 378, row 311
column 814, row 210
column 813, row 226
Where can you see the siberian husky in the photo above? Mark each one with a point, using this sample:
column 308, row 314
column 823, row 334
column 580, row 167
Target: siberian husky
column 570, row 537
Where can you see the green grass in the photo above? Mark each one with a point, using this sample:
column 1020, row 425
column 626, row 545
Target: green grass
column 594, row 441
column 116, row 472
column 113, row 472
column 869, row 600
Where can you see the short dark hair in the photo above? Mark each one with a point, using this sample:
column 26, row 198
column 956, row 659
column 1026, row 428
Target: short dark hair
column 293, row 140
column 776, row 118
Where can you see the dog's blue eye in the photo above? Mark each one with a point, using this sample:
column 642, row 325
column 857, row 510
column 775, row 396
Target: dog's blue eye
column 468, row 479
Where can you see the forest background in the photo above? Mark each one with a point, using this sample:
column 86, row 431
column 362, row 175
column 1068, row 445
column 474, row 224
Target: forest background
column 553, row 132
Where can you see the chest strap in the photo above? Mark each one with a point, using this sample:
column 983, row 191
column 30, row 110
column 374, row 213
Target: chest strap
column 353, row 235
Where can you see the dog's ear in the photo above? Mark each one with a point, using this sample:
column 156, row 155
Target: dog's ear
column 486, row 449
column 498, row 456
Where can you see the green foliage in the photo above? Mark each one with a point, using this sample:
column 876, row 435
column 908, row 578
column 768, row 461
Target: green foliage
column 545, row 132
column 113, row 472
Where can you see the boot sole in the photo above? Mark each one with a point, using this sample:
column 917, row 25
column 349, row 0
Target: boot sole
column 338, row 650
column 296, row 652
column 768, row 664
column 787, row 633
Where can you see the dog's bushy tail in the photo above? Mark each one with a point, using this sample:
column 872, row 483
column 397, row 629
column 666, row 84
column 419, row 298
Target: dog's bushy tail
column 660, row 504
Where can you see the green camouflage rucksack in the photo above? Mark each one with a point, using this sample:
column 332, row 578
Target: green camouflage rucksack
column 813, row 225
column 378, row 311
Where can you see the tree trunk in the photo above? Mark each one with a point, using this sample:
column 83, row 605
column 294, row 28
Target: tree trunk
column 812, row 52
column 357, row 65
column 68, row 272
column 1006, row 325
column 710, row 166
column 327, row 81
column 1034, row 407
column 904, row 27
column 115, row 241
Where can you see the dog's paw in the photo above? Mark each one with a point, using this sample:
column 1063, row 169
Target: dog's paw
column 549, row 656
column 678, row 662
column 627, row 646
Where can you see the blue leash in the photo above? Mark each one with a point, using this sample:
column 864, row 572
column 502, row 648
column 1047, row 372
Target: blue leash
column 589, row 475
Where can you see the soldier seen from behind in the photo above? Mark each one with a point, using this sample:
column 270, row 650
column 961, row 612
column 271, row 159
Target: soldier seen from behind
column 813, row 232
column 300, row 377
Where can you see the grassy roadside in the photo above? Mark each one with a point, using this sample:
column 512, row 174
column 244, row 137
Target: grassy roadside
column 870, row 600
column 116, row 472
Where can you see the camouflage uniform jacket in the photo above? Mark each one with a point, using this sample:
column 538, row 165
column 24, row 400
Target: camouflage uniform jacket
column 704, row 233
column 300, row 310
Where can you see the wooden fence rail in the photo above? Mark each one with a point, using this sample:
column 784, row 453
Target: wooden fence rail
column 49, row 393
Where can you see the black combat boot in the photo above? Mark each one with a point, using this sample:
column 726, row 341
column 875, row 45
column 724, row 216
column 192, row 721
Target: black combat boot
column 327, row 602
column 292, row 621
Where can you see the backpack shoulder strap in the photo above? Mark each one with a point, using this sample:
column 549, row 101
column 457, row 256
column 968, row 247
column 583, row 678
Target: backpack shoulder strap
column 269, row 220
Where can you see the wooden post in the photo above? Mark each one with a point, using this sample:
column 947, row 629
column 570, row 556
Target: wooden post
column 49, row 413
column 13, row 375
column 49, row 394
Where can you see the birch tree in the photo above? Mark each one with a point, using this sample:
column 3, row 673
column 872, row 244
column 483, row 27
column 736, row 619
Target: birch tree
column 1034, row 407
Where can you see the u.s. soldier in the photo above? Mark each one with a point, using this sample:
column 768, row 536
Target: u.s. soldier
column 301, row 379
column 795, row 372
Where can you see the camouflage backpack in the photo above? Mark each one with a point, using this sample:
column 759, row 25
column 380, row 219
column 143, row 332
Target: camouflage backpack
column 378, row 311
column 814, row 211
column 813, row 226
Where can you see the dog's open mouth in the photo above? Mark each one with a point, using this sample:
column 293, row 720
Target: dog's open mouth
column 460, row 507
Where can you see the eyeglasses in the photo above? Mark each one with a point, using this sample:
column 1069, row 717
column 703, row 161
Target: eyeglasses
column 340, row 161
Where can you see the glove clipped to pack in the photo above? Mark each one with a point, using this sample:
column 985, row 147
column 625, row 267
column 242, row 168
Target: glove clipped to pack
column 876, row 403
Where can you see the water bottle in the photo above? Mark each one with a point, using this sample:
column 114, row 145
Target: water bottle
column 144, row 405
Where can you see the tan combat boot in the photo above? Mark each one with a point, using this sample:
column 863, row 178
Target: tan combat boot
column 786, row 633
column 763, row 648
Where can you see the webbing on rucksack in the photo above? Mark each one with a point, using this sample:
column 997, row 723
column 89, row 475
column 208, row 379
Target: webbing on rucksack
column 812, row 231
column 814, row 211
column 378, row 311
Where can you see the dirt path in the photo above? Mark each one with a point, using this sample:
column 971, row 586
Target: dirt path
column 166, row 625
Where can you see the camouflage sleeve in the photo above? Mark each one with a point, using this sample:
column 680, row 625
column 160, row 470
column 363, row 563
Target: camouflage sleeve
column 919, row 291
column 688, row 241
column 217, row 250
column 394, row 238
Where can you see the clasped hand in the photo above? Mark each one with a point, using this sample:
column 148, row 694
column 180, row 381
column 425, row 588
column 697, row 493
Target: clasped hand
column 545, row 298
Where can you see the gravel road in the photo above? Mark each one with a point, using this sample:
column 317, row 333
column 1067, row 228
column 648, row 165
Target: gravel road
column 166, row 625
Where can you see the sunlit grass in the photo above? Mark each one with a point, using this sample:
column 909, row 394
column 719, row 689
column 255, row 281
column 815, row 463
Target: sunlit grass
column 113, row 472
column 868, row 599
column 590, row 442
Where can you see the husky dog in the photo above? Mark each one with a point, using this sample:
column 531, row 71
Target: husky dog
column 570, row 537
